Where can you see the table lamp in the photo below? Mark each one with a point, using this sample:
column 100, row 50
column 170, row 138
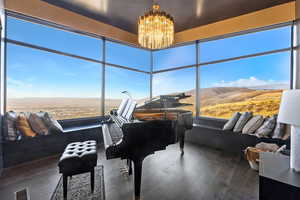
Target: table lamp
column 289, row 113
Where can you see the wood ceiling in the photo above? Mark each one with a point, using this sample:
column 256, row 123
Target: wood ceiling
column 187, row 13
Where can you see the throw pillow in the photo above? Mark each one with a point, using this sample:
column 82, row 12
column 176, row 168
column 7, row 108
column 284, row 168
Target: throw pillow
column 242, row 121
column 253, row 124
column 23, row 126
column 37, row 124
column 231, row 123
column 11, row 132
column 279, row 131
column 267, row 128
column 50, row 122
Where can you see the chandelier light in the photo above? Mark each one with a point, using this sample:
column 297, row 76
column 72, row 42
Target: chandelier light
column 156, row 29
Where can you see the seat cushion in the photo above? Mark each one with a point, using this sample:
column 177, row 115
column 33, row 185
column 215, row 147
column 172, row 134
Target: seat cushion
column 279, row 130
column 253, row 124
column 78, row 156
column 267, row 128
column 242, row 121
column 24, row 127
column 233, row 120
column 37, row 124
column 11, row 132
column 50, row 122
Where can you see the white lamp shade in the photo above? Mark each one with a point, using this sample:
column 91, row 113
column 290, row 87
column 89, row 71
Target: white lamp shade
column 289, row 111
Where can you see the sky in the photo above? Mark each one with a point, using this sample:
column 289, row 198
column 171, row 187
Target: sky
column 35, row 73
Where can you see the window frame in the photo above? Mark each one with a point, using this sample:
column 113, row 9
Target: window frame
column 151, row 72
column 102, row 61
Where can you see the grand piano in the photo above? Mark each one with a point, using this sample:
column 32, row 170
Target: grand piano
column 133, row 132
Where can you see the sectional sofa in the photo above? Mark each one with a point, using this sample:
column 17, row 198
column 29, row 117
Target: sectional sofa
column 208, row 132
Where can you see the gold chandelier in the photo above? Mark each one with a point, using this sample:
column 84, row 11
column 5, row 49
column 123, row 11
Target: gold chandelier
column 156, row 29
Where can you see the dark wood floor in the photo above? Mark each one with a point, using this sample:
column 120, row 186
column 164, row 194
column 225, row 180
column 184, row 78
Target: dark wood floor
column 202, row 173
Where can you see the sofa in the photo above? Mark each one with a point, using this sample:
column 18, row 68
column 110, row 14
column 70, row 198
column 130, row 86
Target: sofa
column 29, row 149
column 209, row 132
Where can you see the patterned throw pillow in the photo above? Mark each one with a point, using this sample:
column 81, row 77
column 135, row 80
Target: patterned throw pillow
column 267, row 128
column 253, row 124
column 11, row 132
column 37, row 124
column 242, row 121
column 279, row 131
column 50, row 122
column 231, row 123
column 23, row 125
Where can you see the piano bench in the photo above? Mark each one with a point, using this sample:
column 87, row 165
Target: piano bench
column 78, row 158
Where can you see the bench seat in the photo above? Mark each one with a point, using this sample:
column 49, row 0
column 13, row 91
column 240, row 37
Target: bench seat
column 29, row 149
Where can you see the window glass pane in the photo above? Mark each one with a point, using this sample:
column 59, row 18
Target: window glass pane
column 41, row 81
column 54, row 38
column 119, row 80
column 174, row 82
column 252, row 84
column 128, row 56
column 174, row 57
column 245, row 44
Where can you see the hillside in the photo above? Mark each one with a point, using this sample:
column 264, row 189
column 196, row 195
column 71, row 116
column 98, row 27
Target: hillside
column 223, row 102
column 219, row 102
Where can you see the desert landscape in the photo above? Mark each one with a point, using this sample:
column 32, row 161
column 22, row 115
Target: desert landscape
column 60, row 108
column 220, row 102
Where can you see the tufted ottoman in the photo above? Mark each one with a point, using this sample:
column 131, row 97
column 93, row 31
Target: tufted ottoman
column 78, row 157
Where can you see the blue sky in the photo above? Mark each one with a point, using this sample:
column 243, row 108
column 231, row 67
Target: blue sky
column 35, row 73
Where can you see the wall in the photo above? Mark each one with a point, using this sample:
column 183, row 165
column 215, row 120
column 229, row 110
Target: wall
column 266, row 17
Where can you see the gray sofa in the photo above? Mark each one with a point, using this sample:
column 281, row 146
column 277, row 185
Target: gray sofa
column 208, row 132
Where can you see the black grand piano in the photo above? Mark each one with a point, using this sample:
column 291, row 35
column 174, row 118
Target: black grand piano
column 133, row 132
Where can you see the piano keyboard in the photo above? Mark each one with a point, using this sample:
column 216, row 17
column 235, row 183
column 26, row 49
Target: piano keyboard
column 119, row 120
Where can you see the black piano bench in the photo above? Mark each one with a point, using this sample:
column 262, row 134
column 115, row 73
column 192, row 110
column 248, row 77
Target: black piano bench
column 78, row 158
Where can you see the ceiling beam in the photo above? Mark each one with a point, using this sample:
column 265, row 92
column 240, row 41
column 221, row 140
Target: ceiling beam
column 266, row 17
column 48, row 12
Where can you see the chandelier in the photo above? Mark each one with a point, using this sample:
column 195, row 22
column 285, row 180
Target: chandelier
column 155, row 29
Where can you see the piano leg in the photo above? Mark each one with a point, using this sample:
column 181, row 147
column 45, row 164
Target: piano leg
column 138, row 164
column 181, row 143
column 129, row 164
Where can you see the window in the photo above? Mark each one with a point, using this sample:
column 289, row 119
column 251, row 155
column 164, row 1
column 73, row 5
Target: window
column 174, row 57
column 118, row 80
column 63, row 86
column 174, row 82
column 246, row 44
column 52, row 38
column 253, row 84
column 127, row 56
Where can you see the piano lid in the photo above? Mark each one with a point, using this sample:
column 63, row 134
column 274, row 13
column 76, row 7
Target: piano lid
column 165, row 102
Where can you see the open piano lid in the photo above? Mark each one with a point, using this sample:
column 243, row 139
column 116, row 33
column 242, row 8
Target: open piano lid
column 162, row 107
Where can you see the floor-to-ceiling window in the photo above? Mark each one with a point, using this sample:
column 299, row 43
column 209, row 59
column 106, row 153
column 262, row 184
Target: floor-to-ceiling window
column 245, row 73
column 176, row 82
column 44, row 74
column 60, row 72
column 134, row 77
column 169, row 80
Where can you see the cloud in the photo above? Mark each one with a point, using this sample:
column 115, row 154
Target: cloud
column 17, row 83
column 253, row 82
